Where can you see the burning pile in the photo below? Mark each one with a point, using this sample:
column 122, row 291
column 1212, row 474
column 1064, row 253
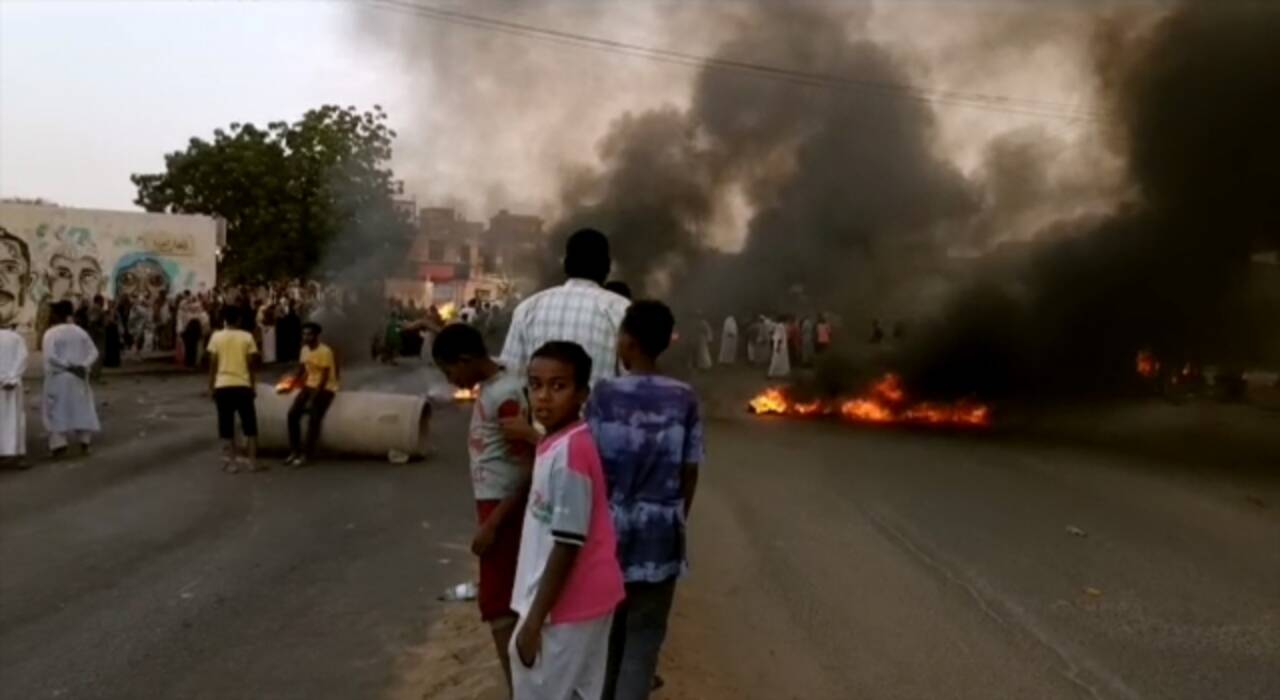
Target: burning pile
column 884, row 402
column 464, row 395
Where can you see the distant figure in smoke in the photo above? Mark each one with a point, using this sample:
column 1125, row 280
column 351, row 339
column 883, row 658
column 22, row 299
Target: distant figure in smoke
column 808, row 341
column 706, row 337
column 729, row 341
column 899, row 330
column 579, row 311
column 68, row 409
column 823, row 332
column 780, row 362
column 877, row 333
column 761, row 344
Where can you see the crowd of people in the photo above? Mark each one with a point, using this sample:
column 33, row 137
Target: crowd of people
column 777, row 343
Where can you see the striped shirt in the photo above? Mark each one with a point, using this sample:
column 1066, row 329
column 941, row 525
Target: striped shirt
column 579, row 311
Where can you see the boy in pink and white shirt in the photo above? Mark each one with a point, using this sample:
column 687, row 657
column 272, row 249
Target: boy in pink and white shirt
column 567, row 580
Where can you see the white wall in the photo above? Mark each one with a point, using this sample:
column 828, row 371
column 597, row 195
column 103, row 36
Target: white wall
column 72, row 254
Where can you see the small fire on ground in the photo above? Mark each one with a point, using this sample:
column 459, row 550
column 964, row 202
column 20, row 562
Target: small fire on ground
column 884, row 402
column 464, row 394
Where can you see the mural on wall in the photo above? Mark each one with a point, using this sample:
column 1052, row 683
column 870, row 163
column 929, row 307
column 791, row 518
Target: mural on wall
column 50, row 254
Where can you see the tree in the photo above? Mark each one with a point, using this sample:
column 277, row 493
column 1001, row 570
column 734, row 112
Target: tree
column 298, row 198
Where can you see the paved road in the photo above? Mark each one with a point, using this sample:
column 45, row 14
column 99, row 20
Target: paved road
column 837, row 562
column 145, row 572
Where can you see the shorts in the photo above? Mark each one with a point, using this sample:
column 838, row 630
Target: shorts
column 498, row 565
column 571, row 663
column 232, row 400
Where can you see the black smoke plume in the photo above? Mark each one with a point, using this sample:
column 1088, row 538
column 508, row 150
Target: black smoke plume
column 1194, row 104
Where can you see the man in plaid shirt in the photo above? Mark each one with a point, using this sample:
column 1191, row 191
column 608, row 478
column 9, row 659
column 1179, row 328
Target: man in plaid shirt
column 579, row 311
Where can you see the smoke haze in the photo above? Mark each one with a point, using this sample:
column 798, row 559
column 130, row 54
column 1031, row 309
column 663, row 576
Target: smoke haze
column 1039, row 240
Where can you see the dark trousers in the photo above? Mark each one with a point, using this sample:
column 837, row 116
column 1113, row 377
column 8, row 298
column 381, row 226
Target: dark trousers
column 639, row 628
column 232, row 401
column 314, row 403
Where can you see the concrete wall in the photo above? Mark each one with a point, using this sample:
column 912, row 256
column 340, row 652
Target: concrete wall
column 55, row 253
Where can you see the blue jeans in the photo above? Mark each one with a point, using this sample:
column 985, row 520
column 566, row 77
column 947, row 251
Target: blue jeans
column 639, row 628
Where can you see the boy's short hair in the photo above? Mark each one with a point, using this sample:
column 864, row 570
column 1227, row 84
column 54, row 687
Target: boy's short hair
column 231, row 316
column 650, row 324
column 457, row 341
column 571, row 354
column 312, row 326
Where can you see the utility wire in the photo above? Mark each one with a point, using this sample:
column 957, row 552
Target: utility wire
column 998, row 103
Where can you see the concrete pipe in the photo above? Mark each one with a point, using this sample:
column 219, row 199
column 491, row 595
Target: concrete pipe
column 359, row 423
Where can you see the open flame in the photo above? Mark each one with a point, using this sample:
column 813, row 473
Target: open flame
column 1147, row 364
column 288, row 383
column 464, row 394
column 884, row 402
column 448, row 311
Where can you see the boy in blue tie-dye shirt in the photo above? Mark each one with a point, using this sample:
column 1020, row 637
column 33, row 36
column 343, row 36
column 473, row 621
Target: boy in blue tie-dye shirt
column 649, row 433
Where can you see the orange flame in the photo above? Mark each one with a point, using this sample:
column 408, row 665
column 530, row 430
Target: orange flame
column 885, row 402
column 288, row 383
column 1148, row 365
column 464, row 395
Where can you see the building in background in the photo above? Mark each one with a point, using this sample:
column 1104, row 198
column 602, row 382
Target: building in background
column 464, row 260
column 51, row 253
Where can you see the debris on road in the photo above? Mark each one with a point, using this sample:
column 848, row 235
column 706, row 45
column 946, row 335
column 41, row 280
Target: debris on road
column 1093, row 592
column 1076, row 532
column 460, row 592
column 397, row 457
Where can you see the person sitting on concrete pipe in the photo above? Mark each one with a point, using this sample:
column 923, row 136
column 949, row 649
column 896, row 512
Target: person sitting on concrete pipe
column 318, row 375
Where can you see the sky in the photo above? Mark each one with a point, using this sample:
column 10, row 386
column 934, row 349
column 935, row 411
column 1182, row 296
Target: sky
column 92, row 91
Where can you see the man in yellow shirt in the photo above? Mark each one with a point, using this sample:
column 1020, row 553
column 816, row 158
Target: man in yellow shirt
column 232, row 353
column 318, row 375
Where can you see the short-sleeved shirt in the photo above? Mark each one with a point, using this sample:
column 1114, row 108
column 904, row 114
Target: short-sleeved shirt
column 578, row 311
column 232, row 349
column 567, row 504
column 647, row 428
column 497, row 465
column 316, row 361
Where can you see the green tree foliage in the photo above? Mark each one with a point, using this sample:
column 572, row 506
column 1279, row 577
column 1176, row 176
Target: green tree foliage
column 299, row 198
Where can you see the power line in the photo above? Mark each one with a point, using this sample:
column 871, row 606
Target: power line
column 998, row 103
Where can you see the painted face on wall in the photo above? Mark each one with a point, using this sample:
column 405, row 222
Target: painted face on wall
column 144, row 278
column 15, row 275
column 73, row 279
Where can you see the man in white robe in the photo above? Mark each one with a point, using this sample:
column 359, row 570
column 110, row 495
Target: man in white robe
column 705, row 339
column 729, row 341
column 780, row 363
column 68, row 409
column 13, row 413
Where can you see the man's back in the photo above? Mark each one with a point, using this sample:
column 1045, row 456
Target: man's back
column 232, row 347
column 648, row 429
column 578, row 311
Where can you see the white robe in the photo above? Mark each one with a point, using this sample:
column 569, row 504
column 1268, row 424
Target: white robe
column 68, row 400
column 268, row 349
column 13, row 410
column 729, row 342
column 780, row 364
column 703, row 360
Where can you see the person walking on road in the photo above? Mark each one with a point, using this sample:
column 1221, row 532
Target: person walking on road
column 318, row 375
column 67, row 408
column 13, row 409
column 579, row 311
column 232, row 354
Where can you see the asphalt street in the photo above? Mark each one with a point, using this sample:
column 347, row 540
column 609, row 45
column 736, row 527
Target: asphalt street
column 829, row 561
column 142, row 571
column 833, row 561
